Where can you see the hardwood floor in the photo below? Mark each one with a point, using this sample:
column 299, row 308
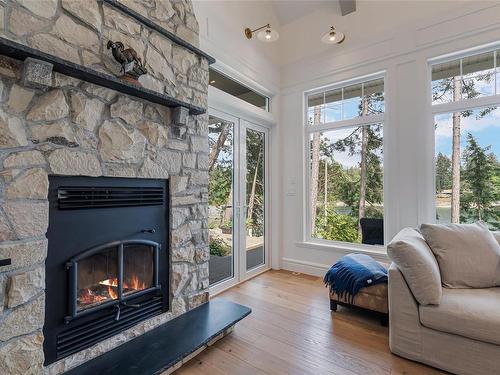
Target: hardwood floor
column 292, row 331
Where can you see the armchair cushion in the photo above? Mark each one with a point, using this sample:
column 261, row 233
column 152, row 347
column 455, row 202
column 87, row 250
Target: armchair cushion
column 468, row 254
column 472, row 313
column 418, row 265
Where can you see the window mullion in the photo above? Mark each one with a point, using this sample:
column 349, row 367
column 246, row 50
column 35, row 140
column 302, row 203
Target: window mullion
column 358, row 121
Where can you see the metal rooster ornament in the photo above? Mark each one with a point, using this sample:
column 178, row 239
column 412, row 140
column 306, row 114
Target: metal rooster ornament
column 131, row 64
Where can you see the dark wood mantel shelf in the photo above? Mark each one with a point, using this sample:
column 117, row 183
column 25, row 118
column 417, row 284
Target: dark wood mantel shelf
column 21, row 52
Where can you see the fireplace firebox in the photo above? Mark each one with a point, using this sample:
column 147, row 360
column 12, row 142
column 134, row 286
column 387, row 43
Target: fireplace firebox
column 107, row 261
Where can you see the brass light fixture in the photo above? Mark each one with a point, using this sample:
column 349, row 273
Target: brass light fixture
column 266, row 33
column 333, row 36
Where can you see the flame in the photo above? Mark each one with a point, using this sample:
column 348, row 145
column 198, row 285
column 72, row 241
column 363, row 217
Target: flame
column 109, row 282
column 91, row 295
column 136, row 284
column 112, row 293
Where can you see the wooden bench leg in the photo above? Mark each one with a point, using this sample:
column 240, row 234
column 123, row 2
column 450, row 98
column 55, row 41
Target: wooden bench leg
column 333, row 305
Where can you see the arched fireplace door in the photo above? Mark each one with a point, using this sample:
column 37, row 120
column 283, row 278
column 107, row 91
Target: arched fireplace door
column 110, row 275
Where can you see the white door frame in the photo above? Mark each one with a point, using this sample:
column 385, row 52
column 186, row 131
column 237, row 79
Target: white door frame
column 227, row 283
column 240, row 273
column 244, row 273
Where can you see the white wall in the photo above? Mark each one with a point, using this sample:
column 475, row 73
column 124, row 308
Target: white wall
column 256, row 65
column 402, row 53
column 395, row 37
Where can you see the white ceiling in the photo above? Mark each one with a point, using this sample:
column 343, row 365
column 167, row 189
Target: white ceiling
column 287, row 11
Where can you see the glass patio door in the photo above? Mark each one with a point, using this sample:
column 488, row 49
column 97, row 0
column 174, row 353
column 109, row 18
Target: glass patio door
column 222, row 193
column 237, row 199
column 254, row 188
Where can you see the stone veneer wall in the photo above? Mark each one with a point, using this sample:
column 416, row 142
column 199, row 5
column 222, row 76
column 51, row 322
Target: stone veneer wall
column 75, row 128
column 78, row 31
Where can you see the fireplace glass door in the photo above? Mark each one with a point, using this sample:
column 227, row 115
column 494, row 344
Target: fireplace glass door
column 138, row 268
column 109, row 274
column 97, row 279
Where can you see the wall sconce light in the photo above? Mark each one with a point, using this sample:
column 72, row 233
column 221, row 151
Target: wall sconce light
column 266, row 33
column 333, row 37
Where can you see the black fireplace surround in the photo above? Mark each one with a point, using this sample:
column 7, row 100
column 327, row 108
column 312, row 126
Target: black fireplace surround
column 107, row 262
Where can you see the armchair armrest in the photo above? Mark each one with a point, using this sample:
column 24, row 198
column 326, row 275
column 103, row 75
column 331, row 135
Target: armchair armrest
column 405, row 330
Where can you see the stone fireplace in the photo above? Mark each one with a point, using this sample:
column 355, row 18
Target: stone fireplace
column 111, row 235
column 56, row 127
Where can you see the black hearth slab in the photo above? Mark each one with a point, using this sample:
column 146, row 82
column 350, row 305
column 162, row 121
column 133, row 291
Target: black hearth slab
column 21, row 52
column 164, row 346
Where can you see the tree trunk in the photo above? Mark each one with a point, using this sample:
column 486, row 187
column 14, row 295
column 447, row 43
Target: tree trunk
column 455, row 156
column 252, row 192
column 315, row 168
column 362, row 168
column 326, row 188
column 362, row 179
column 215, row 151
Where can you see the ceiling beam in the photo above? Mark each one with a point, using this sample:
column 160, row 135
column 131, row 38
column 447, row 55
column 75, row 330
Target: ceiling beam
column 347, row 6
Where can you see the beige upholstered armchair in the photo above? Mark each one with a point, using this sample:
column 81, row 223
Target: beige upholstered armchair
column 456, row 329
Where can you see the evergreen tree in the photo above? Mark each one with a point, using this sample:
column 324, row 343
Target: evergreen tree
column 478, row 192
column 459, row 88
column 443, row 173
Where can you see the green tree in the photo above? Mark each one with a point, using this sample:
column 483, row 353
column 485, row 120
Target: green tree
column 255, row 184
column 459, row 88
column 478, row 192
column 443, row 173
column 365, row 141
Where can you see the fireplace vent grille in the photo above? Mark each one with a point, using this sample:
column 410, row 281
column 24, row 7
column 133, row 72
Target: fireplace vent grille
column 76, row 339
column 74, row 197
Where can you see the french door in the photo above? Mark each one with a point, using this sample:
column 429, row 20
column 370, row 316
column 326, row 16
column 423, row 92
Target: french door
column 237, row 200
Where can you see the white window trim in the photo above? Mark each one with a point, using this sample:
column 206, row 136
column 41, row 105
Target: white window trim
column 459, row 105
column 380, row 118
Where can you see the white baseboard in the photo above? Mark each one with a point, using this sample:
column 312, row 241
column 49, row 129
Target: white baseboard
column 308, row 268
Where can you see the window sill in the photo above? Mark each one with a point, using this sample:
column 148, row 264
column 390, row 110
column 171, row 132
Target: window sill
column 379, row 253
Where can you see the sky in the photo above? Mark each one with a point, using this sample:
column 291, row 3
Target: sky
column 486, row 130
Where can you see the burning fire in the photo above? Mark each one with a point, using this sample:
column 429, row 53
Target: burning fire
column 109, row 290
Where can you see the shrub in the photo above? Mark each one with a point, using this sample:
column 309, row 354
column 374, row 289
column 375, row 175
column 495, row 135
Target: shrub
column 228, row 224
column 337, row 227
column 219, row 247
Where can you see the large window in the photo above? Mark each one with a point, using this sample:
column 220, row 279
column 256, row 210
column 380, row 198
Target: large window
column 345, row 153
column 467, row 140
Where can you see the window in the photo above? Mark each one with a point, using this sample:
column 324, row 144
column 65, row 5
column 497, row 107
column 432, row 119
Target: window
column 345, row 153
column 466, row 78
column 345, row 103
column 467, row 141
column 238, row 90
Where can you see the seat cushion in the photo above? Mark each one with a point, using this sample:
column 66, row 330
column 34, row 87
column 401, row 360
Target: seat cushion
column 418, row 265
column 472, row 313
column 468, row 254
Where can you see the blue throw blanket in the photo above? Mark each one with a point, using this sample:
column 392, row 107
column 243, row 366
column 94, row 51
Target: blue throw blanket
column 353, row 272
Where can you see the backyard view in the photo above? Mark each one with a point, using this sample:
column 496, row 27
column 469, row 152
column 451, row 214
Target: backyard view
column 346, row 163
column 467, row 147
column 221, row 198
